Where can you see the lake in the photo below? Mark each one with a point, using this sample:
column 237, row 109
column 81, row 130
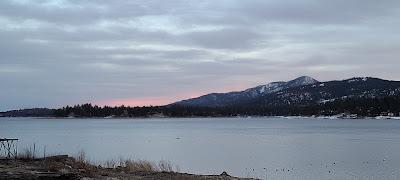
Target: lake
column 276, row 148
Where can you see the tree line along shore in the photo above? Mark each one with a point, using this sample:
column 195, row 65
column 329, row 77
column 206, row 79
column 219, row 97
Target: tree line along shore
column 361, row 107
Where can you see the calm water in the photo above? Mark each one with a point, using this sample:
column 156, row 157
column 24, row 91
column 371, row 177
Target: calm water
column 308, row 148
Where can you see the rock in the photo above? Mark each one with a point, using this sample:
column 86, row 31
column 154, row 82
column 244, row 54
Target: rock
column 224, row 174
column 64, row 171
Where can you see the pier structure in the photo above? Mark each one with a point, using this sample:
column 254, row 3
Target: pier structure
column 8, row 148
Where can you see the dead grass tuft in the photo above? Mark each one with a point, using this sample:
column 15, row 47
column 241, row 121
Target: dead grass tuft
column 81, row 156
column 139, row 166
column 133, row 166
column 28, row 153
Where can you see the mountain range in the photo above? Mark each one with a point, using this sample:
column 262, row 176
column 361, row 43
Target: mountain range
column 303, row 96
column 302, row 91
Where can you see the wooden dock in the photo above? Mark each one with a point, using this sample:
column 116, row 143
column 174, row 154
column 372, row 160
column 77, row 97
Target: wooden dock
column 8, row 148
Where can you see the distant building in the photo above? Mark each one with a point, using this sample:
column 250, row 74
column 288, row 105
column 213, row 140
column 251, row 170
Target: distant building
column 390, row 114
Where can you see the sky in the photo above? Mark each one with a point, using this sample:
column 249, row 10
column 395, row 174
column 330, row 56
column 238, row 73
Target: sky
column 140, row 52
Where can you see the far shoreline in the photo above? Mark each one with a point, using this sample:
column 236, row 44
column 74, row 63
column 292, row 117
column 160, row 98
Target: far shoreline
column 216, row 117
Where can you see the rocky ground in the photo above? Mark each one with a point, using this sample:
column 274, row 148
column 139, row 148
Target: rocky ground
column 64, row 167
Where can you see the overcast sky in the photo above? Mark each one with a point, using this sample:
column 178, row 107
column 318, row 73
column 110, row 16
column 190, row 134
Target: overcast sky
column 140, row 52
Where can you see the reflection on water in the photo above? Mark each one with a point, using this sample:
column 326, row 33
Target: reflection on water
column 275, row 148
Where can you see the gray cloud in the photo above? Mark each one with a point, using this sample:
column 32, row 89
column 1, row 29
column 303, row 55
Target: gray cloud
column 58, row 52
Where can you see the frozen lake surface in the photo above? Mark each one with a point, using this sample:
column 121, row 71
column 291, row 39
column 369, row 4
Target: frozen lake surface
column 278, row 148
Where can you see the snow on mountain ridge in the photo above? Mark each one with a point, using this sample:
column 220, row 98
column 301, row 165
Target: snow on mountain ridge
column 301, row 81
column 302, row 91
column 217, row 99
column 265, row 89
column 277, row 86
column 355, row 79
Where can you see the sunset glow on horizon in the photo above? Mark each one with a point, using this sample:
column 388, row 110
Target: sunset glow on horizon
column 135, row 102
column 160, row 101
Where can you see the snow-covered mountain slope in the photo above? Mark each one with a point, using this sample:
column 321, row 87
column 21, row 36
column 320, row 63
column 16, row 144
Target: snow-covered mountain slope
column 323, row 92
column 246, row 96
column 302, row 91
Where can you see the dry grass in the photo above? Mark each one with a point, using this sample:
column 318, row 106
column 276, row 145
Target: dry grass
column 28, row 153
column 130, row 165
column 110, row 164
column 166, row 166
column 81, row 157
column 139, row 166
column 127, row 165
